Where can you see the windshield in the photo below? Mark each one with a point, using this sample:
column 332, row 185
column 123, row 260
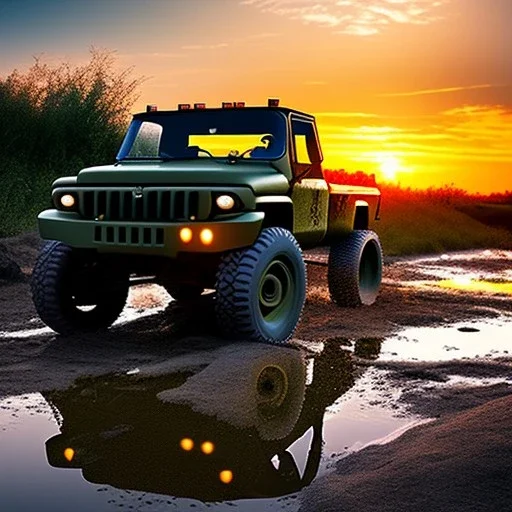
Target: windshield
column 248, row 134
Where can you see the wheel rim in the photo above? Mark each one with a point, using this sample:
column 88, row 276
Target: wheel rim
column 272, row 388
column 276, row 291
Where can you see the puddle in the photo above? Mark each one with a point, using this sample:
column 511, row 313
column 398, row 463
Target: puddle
column 476, row 286
column 489, row 339
column 244, row 425
column 484, row 272
column 251, row 429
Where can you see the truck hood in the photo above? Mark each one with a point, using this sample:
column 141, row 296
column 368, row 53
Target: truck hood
column 262, row 178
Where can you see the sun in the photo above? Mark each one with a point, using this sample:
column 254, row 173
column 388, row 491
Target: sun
column 389, row 167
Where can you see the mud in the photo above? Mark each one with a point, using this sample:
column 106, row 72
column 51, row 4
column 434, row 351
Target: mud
column 422, row 352
column 460, row 464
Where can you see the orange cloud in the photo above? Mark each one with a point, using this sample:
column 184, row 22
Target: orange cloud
column 436, row 91
column 354, row 16
column 471, row 142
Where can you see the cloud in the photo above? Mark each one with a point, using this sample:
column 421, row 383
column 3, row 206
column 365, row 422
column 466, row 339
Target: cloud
column 468, row 133
column 251, row 38
column 436, row 91
column 344, row 114
column 354, row 17
column 204, row 46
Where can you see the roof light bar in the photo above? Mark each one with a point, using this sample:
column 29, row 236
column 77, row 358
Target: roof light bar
column 151, row 108
column 183, row 106
column 273, row 102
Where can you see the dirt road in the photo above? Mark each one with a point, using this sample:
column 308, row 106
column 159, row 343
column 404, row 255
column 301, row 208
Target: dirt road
column 155, row 337
column 410, row 296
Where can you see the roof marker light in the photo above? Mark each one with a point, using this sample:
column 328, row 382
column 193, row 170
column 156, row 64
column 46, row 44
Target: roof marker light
column 199, row 105
column 239, row 104
column 151, row 108
column 273, row 102
column 227, row 104
column 183, row 106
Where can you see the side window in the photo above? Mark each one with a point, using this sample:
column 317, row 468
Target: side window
column 306, row 145
column 301, row 149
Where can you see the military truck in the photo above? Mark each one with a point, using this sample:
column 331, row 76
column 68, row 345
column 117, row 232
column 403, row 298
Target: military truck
column 221, row 199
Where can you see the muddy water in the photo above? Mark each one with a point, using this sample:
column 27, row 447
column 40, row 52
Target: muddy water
column 466, row 340
column 249, row 426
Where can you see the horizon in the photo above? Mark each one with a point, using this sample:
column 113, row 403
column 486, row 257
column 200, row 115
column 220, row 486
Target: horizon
column 417, row 92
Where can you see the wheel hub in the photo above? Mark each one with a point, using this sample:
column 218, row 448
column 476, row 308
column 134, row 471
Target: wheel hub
column 276, row 289
column 271, row 291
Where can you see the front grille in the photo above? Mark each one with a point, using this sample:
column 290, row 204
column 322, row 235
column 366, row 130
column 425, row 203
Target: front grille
column 129, row 235
column 148, row 204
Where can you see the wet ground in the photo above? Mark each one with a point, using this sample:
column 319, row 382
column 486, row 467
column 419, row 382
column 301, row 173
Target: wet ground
column 160, row 414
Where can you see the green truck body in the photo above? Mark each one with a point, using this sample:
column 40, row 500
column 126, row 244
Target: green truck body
column 172, row 208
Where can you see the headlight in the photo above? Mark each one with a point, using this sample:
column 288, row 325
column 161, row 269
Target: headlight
column 67, row 200
column 225, row 202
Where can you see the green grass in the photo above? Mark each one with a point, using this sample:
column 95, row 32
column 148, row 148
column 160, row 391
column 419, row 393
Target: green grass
column 497, row 215
column 416, row 226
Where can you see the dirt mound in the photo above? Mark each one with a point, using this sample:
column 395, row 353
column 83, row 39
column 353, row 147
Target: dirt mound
column 461, row 463
column 9, row 269
column 18, row 255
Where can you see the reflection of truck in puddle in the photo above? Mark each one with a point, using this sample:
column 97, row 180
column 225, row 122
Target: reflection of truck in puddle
column 224, row 432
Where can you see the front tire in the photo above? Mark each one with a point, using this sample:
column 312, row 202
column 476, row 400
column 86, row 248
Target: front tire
column 64, row 279
column 261, row 290
column 354, row 272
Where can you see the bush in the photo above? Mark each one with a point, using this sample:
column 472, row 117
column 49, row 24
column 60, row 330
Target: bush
column 53, row 122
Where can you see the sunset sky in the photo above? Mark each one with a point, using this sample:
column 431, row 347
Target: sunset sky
column 418, row 91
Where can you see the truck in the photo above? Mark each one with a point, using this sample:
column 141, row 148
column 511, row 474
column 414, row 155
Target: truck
column 223, row 199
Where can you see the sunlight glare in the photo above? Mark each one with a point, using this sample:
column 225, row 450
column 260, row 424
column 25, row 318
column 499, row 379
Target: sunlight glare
column 389, row 167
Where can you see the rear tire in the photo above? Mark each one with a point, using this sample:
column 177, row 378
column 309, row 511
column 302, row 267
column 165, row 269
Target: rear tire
column 63, row 280
column 354, row 271
column 261, row 290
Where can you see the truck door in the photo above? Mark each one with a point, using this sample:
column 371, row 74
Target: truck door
column 310, row 194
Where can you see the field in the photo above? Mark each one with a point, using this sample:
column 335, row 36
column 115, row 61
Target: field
column 414, row 221
column 496, row 215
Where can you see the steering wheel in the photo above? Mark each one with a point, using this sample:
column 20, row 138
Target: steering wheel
column 268, row 139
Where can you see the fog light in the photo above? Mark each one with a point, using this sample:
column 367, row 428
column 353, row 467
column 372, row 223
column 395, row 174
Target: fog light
column 226, row 476
column 207, row 447
column 225, row 202
column 187, row 444
column 206, row 236
column 185, row 235
column 69, row 453
column 67, row 200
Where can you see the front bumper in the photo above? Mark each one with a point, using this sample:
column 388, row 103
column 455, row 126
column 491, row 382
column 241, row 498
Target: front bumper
column 152, row 238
